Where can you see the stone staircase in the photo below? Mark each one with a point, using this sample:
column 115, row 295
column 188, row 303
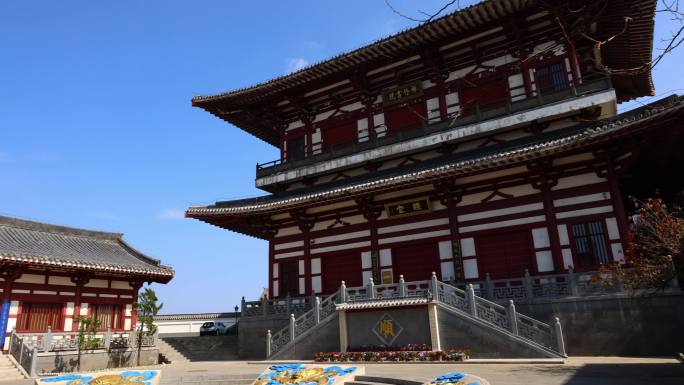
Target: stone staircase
column 168, row 354
column 502, row 323
column 205, row 348
column 9, row 372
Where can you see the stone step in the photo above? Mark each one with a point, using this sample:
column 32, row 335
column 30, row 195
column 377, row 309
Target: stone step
column 210, row 380
column 8, row 371
column 205, row 348
column 385, row 380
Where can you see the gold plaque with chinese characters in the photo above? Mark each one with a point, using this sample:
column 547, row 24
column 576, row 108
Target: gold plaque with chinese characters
column 410, row 207
column 402, row 93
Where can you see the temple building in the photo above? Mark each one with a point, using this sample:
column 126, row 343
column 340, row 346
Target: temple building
column 51, row 275
column 483, row 145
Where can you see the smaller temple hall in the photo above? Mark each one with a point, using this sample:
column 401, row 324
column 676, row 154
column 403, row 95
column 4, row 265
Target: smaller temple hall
column 50, row 275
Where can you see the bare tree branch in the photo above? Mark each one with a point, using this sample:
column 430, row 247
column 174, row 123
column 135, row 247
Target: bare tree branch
column 430, row 16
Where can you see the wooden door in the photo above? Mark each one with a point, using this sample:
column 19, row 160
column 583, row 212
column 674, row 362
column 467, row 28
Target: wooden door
column 505, row 255
column 338, row 268
column 416, row 262
column 487, row 95
column 340, row 136
column 406, row 118
column 289, row 279
column 296, row 148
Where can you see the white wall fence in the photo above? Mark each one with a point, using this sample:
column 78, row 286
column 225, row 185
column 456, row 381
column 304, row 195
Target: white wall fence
column 188, row 325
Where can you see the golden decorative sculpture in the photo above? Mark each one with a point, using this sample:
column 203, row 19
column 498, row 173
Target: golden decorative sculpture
column 317, row 375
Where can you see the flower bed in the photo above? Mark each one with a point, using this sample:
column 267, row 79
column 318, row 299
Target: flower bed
column 385, row 348
column 401, row 355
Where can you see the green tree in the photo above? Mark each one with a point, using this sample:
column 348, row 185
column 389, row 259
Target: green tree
column 85, row 339
column 147, row 307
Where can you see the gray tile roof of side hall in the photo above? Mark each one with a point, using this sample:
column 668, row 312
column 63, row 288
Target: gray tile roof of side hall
column 29, row 242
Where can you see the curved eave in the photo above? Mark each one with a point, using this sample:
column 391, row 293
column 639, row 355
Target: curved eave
column 631, row 49
column 460, row 21
column 161, row 274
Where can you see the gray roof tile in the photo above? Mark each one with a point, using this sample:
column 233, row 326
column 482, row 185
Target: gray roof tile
column 30, row 242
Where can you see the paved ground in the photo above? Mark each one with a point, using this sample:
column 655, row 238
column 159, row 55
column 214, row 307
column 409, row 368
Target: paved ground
column 576, row 371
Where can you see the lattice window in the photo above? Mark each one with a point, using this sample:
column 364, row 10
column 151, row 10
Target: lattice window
column 551, row 78
column 590, row 243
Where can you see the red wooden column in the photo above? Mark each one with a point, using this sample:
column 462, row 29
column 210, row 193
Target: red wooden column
column 80, row 281
column 544, row 183
column 449, row 196
column 134, row 312
column 271, row 261
column 619, row 209
column 9, row 275
column 305, row 224
column 371, row 212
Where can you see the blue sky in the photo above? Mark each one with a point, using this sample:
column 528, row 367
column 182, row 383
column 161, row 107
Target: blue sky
column 97, row 131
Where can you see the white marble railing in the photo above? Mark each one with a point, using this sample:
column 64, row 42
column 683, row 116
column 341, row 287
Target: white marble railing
column 505, row 318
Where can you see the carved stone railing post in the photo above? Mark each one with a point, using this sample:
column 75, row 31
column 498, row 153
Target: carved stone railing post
column 288, row 304
column 572, row 283
column 513, row 317
column 317, row 310
column 529, row 292
column 470, row 294
column 490, row 286
column 47, row 339
column 34, row 361
column 343, row 293
column 402, row 287
column 108, row 339
column 558, row 331
column 13, row 335
column 433, row 286
column 292, row 327
column 264, row 307
column 268, row 343
column 370, row 289
column 21, row 350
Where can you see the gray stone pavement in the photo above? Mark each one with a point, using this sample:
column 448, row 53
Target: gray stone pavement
column 576, row 371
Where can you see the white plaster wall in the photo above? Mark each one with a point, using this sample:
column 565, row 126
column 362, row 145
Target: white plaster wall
column 446, row 250
column 31, row 278
column 366, row 262
column 470, row 269
column 316, row 284
column 316, row 266
column 385, row 257
column 59, row 280
column 97, row 283
column 123, row 285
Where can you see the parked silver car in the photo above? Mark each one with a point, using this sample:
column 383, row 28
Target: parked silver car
column 213, row 329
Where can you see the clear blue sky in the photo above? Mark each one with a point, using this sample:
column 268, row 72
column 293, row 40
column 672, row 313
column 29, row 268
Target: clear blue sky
column 97, row 131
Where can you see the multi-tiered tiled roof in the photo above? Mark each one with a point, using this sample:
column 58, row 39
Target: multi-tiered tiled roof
column 232, row 214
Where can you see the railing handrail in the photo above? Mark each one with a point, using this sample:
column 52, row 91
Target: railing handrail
column 276, row 341
column 480, row 114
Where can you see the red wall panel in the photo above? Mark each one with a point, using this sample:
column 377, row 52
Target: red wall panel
column 338, row 268
column 339, row 136
column 416, row 261
column 404, row 118
column 505, row 255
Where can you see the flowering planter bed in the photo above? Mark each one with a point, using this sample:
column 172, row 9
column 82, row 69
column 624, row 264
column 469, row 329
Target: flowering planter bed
column 393, row 356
